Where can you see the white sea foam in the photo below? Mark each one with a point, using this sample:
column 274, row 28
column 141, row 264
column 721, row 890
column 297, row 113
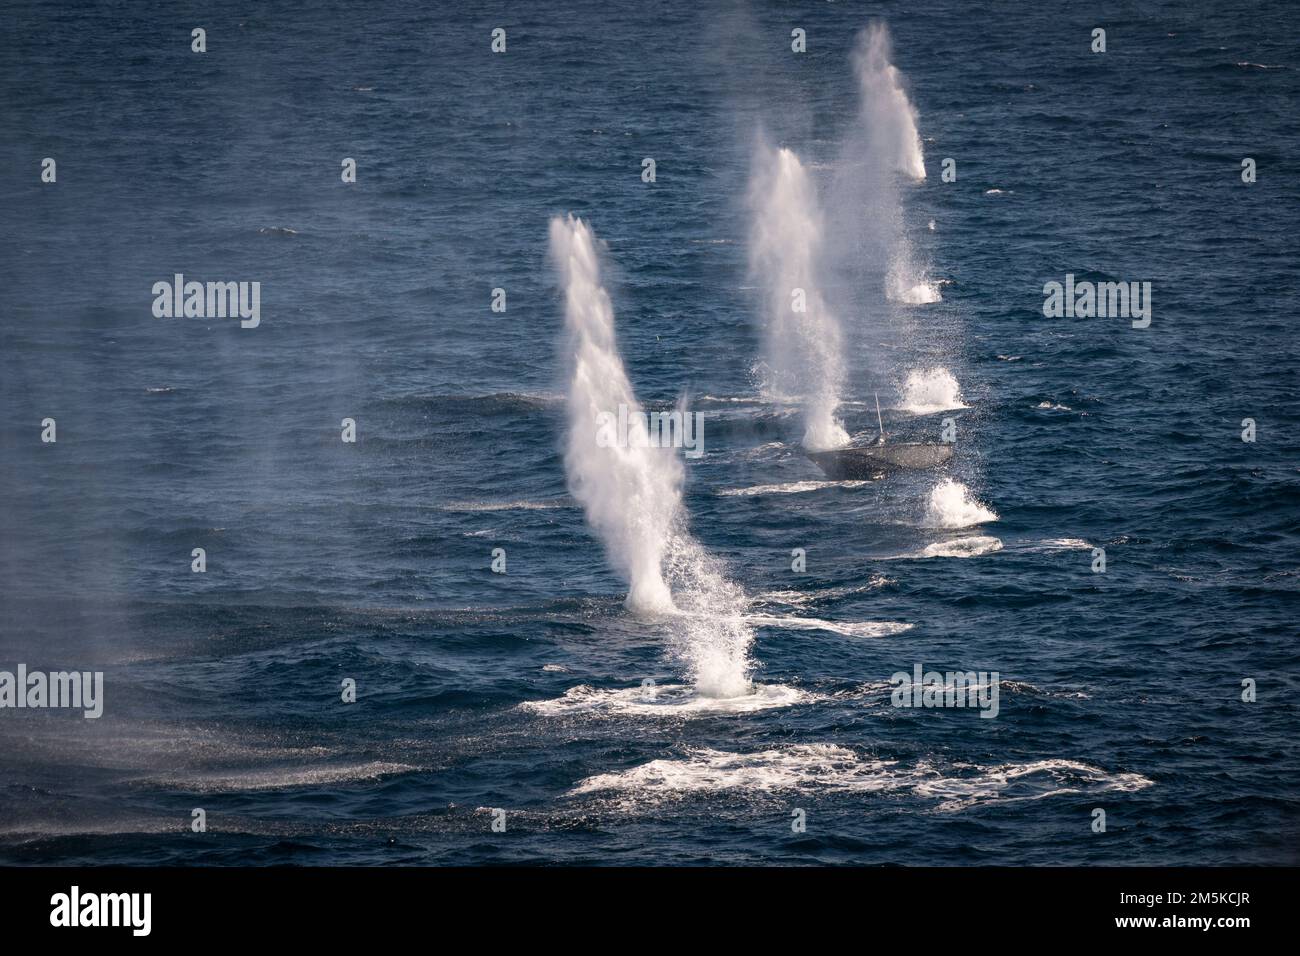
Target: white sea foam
column 832, row 769
column 929, row 390
column 710, row 635
column 881, row 147
column 951, row 506
column 632, row 494
column 887, row 114
column 281, row 778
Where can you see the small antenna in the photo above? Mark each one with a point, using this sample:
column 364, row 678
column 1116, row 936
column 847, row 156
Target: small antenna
column 880, row 421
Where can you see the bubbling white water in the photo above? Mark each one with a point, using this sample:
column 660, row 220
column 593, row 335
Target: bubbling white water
column 632, row 496
column 901, row 287
column 887, row 113
column 803, row 346
column 951, row 506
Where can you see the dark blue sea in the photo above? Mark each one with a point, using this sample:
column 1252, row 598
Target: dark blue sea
column 523, row 691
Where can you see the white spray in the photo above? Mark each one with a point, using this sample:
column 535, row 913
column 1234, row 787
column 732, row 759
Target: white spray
column 632, row 496
column 802, row 341
column 952, row 506
column 928, row 390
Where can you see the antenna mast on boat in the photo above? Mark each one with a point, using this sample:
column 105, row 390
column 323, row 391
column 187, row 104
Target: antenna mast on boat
column 880, row 421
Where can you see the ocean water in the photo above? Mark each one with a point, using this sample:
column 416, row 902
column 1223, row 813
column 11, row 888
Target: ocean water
column 524, row 691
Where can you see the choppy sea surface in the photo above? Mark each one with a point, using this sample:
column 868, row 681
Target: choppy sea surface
column 523, row 691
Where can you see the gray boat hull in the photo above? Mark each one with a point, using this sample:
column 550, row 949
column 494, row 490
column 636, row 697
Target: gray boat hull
column 848, row 464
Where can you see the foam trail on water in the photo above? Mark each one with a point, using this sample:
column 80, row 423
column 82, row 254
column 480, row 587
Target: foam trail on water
column 802, row 342
column 951, row 506
column 632, row 495
column 712, row 636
